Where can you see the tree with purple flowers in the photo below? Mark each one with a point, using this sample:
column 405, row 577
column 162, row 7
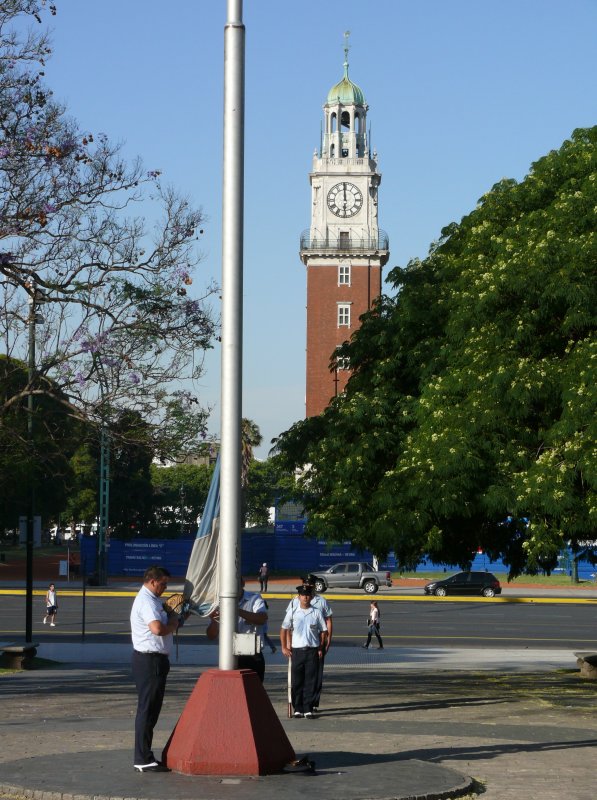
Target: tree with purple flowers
column 123, row 329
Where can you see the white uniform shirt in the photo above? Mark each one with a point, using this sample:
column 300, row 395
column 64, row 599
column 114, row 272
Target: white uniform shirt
column 147, row 608
column 305, row 624
column 254, row 602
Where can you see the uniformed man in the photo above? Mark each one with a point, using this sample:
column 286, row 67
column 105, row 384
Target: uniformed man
column 252, row 616
column 319, row 602
column 303, row 635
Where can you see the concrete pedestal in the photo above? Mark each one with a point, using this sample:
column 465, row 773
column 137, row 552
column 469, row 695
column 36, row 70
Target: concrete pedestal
column 18, row 656
column 228, row 727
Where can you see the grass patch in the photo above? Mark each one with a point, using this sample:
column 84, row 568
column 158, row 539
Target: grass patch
column 561, row 689
column 538, row 580
column 19, row 552
column 38, row 663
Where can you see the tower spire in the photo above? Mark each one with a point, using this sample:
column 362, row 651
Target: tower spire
column 346, row 49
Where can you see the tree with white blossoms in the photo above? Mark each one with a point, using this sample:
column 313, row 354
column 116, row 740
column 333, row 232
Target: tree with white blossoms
column 121, row 330
column 470, row 419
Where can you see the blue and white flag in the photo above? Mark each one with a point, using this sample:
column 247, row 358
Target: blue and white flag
column 202, row 584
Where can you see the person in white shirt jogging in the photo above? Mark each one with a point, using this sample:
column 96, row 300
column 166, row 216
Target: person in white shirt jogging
column 151, row 629
column 51, row 606
column 302, row 637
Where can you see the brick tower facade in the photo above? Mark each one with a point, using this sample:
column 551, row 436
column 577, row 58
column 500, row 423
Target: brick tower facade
column 344, row 250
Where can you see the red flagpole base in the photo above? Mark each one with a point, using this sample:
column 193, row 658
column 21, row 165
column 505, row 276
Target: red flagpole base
column 228, row 727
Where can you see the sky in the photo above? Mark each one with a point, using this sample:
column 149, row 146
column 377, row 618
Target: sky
column 461, row 94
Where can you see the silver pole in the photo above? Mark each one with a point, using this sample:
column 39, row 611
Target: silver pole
column 232, row 320
column 32, row 476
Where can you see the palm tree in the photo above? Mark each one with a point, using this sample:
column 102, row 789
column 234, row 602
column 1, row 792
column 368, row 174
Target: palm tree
column 250, row 437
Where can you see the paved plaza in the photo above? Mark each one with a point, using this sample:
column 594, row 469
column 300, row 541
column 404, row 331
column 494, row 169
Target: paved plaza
column 400, row 723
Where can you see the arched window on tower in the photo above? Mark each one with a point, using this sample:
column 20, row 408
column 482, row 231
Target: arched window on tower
column 332, row 151
column 345, row 125
column 333, row 122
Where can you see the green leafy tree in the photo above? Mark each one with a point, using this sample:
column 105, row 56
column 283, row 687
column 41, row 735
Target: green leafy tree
column 179, row 496
column 264, row 485
column 83, row 498
column 131, row 492
column 470, row 418
column 40, row 464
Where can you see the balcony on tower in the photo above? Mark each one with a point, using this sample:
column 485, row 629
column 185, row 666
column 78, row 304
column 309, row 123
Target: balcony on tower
column 344, row 244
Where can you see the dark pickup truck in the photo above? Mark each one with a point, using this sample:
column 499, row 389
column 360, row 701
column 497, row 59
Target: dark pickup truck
column 351, row 575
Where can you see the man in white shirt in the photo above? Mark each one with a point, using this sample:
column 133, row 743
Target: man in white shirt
column 319, row 602
column 252, row 616
column 302, row 636
column 151, row 630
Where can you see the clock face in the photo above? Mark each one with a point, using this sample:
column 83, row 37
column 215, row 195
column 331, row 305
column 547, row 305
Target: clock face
column 345, row 199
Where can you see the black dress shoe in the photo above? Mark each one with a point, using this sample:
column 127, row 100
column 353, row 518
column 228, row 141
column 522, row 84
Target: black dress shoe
column 155, row 766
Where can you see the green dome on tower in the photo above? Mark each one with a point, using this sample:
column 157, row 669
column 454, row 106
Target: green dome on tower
column 346, row 92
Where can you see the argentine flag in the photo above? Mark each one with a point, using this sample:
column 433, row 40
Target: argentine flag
column 202, row 584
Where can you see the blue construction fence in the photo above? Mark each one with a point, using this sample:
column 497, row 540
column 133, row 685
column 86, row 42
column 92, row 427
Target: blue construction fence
column 294, row 554
column 283, row 552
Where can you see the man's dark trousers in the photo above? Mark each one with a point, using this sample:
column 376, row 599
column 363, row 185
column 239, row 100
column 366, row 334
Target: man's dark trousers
column 319, row 682
column 303, row 677
column 150, row 671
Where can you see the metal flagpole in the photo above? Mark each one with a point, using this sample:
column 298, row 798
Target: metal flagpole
column 204, row 742
column 232, row 284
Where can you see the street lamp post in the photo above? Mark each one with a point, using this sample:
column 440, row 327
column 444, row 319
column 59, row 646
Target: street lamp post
column 104, row 482
column 104, row 506
column 33, row 318
column 182, row 499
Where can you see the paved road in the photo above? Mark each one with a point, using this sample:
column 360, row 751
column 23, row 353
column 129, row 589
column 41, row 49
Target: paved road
column 549, row 623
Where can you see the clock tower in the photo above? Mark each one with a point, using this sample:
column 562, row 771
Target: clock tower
column 344, row 250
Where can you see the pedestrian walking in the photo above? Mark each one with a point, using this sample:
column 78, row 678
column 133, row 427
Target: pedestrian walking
column 319, row 602
column 152, row 627
column 373, row 625
column 302, row 637
column 263, row 576
column 51, row 606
